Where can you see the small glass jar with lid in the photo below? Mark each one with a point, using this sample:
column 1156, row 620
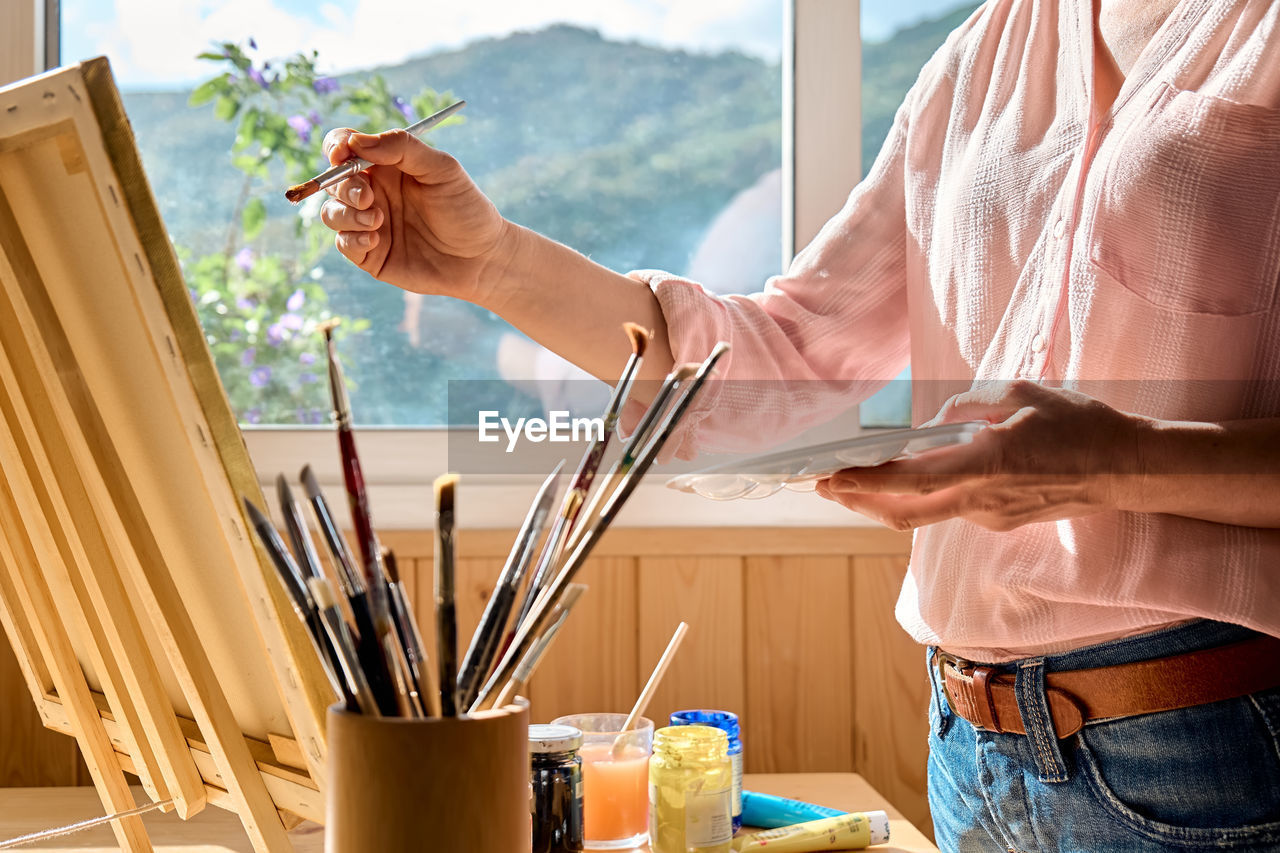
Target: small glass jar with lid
column 690, row 791
column 555, row 772
column 727, row 722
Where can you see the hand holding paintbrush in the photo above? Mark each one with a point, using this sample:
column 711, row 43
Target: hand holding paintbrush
column 342, row 171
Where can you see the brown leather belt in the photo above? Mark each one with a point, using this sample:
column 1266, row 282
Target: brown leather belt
column 985, row 696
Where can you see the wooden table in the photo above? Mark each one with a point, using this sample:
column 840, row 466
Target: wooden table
column 25, row 810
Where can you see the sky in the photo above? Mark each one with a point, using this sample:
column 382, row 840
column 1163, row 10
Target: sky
column 153, row 44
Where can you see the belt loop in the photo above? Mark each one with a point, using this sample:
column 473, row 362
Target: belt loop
column 1033, row 707
column 942, row 722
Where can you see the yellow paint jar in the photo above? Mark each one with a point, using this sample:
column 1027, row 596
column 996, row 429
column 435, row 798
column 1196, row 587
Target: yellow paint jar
column 690, row 791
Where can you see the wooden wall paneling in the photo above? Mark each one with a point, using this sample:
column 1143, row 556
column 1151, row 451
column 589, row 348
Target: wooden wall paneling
column 593, row 665
column 708, row 671
column 799, row 663
column 892, row 697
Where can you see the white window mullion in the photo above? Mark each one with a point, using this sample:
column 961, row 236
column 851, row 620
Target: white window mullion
column 823, row 105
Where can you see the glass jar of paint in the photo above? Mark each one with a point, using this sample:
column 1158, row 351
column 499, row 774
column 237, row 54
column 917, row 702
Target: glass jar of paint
column 555, row 772
column 690, row 791
column 727, row 722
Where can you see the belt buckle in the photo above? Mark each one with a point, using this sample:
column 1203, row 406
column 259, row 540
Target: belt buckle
column 940, row 660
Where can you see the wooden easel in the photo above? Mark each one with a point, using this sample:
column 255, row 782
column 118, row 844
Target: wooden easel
column 145, row 621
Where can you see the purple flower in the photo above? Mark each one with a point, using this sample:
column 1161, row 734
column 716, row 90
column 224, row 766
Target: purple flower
column 307, row 377
column 247, row 357
column 325, row 85
column 235, row 335
column 253, row 44
column 244, row 259
column 302, row 126
column 195, row 297
column 260, row 376
column 291, row 321
column 405, row 109
column 307, row 358
column 244, row 303
column 318, row 416
column 275, row 334
column 256, row 76
column 295, row 300
column 314, row 118
column 253, row 416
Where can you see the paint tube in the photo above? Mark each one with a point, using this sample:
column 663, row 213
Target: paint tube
column 847, row 832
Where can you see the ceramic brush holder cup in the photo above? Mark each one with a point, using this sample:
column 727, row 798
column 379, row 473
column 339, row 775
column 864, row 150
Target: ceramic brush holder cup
column 442, row 784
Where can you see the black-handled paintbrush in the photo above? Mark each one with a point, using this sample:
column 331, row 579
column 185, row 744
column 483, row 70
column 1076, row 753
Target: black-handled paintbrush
column 487, row 639
column 445, row 590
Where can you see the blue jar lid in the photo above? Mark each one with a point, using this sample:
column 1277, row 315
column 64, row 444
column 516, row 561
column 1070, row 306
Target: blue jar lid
column 726, row 721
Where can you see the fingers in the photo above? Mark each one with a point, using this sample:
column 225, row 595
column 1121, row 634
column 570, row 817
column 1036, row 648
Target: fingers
column 403, row 151
column 982, row 459
column 341, row 216
column 354, row 191
column 355, row 246
column 335, row 145
column 897, row 511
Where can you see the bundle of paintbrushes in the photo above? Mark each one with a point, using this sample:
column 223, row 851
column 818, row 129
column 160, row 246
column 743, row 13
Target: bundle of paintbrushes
column 377, row 662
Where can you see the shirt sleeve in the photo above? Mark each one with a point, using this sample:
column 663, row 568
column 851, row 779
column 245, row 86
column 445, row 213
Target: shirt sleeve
column 820, row 338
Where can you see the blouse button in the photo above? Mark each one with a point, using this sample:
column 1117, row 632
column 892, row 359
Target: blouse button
column 1060, row 228
column 1037, row 343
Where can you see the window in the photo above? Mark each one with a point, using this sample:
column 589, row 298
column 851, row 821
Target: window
column 686, row 115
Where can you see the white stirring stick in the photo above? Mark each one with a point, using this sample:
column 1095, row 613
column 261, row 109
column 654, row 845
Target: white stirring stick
column 649, row 689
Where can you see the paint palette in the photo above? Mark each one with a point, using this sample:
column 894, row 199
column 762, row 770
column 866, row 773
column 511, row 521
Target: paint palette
column 800, row 469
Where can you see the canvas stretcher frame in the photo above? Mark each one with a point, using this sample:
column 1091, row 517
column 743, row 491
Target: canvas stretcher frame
column 145, row 620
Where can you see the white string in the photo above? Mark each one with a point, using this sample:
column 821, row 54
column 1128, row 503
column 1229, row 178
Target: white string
column 22, row 840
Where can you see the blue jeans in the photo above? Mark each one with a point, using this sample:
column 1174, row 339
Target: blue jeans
column 1202, row 778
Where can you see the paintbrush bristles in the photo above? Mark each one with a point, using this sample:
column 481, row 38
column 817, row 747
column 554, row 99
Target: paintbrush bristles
column 322, row 592
column 444, row 487
column 639, row 338
column 685, row 372
column 299, row 192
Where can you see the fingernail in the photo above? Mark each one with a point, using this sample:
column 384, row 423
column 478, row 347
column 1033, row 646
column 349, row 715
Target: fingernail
column 367, row 217
column 355, row 195
column 363, row 240
column 366, row 140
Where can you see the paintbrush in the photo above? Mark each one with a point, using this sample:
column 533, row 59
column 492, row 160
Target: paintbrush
column 296, row 526
column 343, row 560
column 342, row 171
column 369, row 642
column 446, row 611
column 341, row 639
column 353, row 479
column 580, row 486
column 424, row 687
column 493, row 623
column 295, row 586
column 650, row 687
column 538, row 618
column 530, row 661
column 676, row 380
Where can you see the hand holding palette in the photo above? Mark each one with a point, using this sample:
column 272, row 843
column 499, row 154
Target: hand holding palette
column 799, row 470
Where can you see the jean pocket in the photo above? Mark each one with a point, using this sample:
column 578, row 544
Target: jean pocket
column 1206, row 777
column 1189, row 219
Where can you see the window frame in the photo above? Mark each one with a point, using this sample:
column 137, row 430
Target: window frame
column 821, row 160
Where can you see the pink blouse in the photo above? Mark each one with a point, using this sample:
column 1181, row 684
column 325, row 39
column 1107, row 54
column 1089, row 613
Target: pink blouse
column 1004, row 232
